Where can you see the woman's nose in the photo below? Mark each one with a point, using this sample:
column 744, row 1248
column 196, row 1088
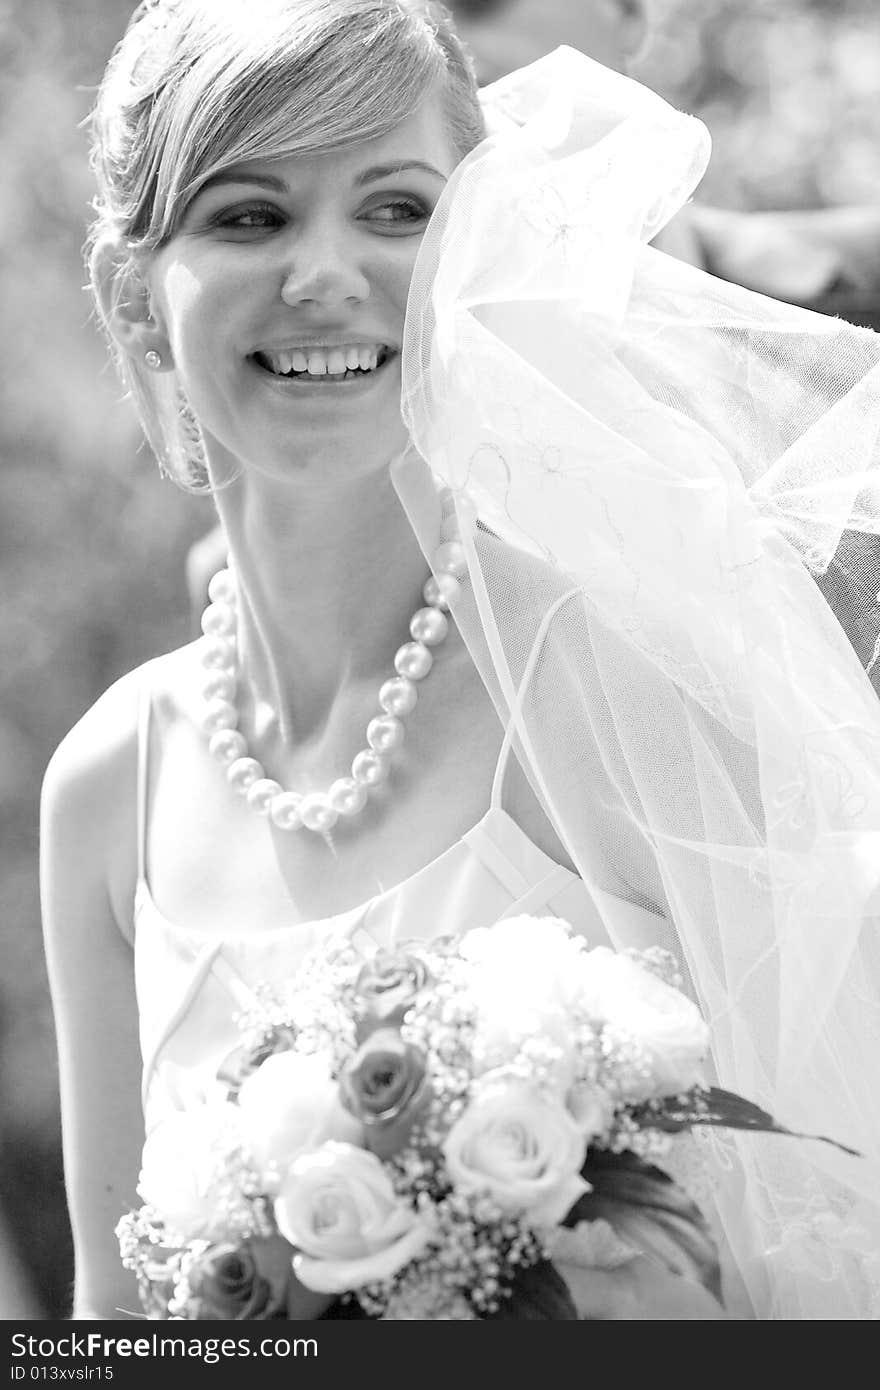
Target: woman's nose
column 323, row 271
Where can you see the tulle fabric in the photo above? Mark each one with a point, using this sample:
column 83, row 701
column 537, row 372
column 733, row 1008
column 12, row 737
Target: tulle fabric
column 668, row 495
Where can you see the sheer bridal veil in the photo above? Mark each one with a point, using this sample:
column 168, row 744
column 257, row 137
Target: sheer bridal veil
column 668, row 490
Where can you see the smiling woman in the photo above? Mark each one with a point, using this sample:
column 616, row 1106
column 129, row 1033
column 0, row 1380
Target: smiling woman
column 517, row 619
column 195, row 96
column 298, row 270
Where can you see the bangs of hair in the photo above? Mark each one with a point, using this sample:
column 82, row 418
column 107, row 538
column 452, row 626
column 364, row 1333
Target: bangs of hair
column 264, row 79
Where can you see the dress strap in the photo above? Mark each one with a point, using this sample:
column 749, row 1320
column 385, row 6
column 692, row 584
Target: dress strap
column 495, row 861
column 145, row 705
column 535, row 900
column 516, row 711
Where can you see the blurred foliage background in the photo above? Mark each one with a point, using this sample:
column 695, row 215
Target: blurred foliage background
column 93, row 544
column 789, row 90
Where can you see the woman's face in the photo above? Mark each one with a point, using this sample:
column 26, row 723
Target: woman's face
column 283, row 296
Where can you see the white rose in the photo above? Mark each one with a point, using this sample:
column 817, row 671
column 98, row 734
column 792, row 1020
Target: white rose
column 182, row 1162
column 522, row 981
column 668, row 1027
column 591, row 1108
column 340, row 1210
column 290, row 1105
column 521, row 1148
column 545, row 946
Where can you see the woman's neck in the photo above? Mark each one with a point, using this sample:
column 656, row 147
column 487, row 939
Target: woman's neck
column 328, row 577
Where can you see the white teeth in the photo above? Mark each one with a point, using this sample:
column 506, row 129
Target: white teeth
column 320, row 361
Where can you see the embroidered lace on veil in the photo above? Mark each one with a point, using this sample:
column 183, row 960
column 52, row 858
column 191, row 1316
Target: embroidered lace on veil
column 665, row 467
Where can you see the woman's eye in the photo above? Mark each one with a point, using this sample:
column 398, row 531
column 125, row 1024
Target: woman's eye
column 254, row 217
column 399, row 213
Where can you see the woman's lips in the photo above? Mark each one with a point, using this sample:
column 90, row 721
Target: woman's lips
column 347, row 380
column 318, row 362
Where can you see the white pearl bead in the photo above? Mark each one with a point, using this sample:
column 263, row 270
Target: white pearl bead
column 218, row 654
column 218, row 620
column 243, row 773
column 450, row 558
column 284, row 811
column 221, row 589
column 398, row 696
column 347, row 796
column 430, row 626
column 369, row 767
column 219, row 714
column 450, row 530
column 385, row 733
column 441, row 591
column 413, row 660
column 317, row 813
column 219, row 685
column 262, row 793
column 227, row 745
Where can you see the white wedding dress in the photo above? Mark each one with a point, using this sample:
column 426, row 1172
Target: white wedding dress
column 651, row 470
column 190, row 984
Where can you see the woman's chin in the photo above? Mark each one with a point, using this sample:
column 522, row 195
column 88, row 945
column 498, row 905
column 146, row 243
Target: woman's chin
column 342, row 451
column 340, row 430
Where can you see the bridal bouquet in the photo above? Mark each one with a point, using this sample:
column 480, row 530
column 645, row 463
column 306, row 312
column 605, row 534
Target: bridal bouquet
column 420, row 1134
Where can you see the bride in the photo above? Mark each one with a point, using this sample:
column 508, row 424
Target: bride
column 513, row 648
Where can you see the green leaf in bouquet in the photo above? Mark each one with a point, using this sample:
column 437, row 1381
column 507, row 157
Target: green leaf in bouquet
column 651, row 1212
column 539, row 1294
column 712, row 1105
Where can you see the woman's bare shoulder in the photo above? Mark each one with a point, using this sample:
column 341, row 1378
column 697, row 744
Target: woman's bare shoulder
column 88, row 807
column 101, row 746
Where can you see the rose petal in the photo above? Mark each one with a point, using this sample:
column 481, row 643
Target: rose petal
column 339, row 1276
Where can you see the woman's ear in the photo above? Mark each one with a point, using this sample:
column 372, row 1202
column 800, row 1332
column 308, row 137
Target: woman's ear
column 124, row 302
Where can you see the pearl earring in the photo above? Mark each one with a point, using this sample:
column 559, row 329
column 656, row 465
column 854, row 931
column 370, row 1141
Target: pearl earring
column 153, row 359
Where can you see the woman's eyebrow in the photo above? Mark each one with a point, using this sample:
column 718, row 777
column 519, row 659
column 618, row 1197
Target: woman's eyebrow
column 234, row 176
column 396, row 166
column 371, row 175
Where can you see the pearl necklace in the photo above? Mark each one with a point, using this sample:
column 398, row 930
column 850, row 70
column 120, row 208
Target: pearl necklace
column 319, row 811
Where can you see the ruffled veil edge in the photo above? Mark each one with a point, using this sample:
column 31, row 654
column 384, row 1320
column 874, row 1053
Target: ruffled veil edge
column 661, row 480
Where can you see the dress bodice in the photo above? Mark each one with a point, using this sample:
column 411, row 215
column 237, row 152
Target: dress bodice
column 190, row 985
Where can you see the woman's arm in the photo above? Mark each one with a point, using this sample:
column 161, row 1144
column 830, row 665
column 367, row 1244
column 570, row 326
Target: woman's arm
column 87, row 852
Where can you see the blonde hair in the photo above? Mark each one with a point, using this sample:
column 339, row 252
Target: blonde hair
column 195, row 86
